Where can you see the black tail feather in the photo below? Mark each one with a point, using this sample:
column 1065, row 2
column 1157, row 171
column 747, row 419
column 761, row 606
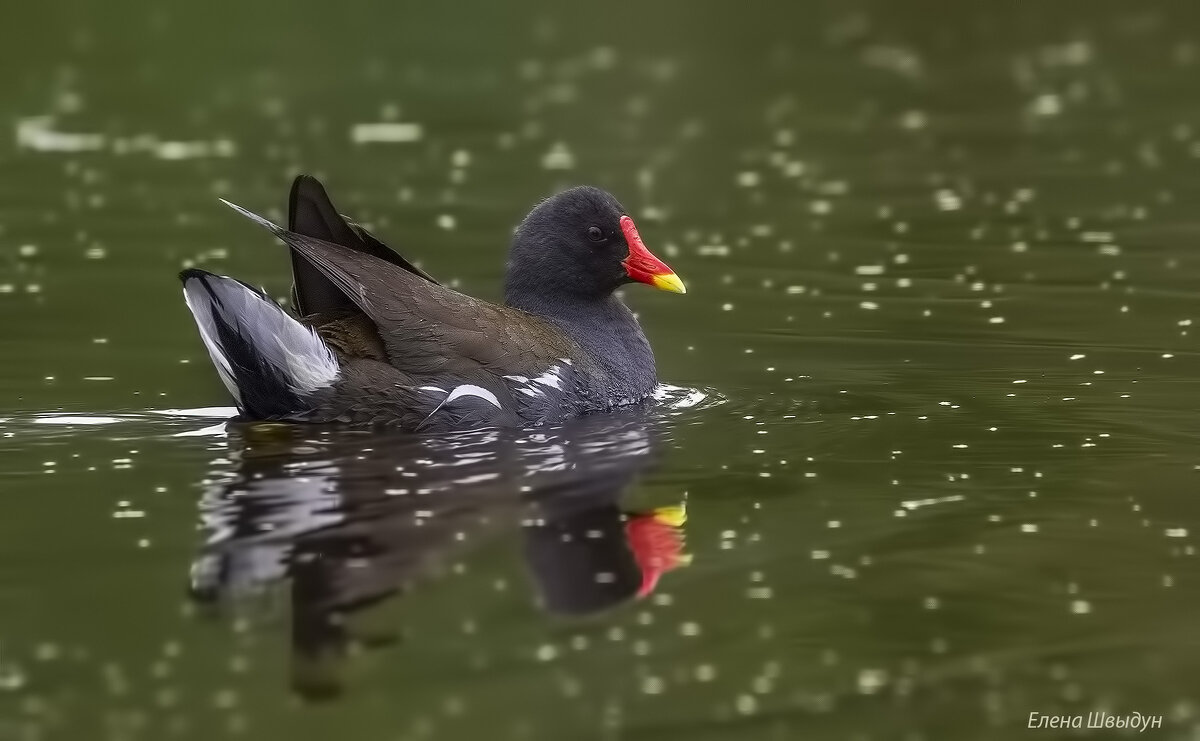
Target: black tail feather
column 311, row 213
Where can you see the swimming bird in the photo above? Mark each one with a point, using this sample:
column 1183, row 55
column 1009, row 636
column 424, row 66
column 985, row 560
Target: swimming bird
column 378, row 341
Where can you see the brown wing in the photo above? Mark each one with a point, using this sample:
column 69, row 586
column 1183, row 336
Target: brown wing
column 430, row 329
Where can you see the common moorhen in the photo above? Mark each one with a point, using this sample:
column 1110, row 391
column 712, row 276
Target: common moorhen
column 380, row 342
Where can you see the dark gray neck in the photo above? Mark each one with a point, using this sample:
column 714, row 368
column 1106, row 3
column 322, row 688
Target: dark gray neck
column 610, row 334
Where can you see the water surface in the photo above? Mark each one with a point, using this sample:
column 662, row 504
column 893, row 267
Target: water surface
column 942, row 278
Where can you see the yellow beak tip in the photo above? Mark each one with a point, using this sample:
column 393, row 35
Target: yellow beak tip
column 674, row 516
column 669, row 282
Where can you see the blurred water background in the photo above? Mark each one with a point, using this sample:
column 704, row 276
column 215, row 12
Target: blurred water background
column 936, row 402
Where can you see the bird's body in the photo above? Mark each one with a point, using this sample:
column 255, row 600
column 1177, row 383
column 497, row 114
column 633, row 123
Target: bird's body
column 380, row 342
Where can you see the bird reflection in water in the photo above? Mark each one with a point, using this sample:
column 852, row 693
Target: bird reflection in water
column 349, row 519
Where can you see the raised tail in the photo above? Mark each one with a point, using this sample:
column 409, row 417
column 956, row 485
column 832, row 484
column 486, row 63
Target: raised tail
column 311, row 213
column 312, row 216
column 272, row 364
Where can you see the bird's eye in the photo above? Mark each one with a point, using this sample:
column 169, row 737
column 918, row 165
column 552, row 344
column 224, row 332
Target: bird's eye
column 596, row 234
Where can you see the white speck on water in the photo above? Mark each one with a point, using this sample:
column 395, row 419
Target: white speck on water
column 12, row 677
column 912, row 504
column 794, row 169
column 603, row 57
column 1081, row 606
column 186, row 150
column 385, row 133
column 75, row 420
column 1047, row 104
column 558, row 158
column 947, row 200
column 869, row 270
column 37, row 133
column 871, row 680
column 913, row 120
column 746, row 704
column 748, row 179
column 1177, row 532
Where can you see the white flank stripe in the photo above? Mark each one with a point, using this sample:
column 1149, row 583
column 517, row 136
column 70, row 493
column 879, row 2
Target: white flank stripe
column 550, row 378
column 468, row 389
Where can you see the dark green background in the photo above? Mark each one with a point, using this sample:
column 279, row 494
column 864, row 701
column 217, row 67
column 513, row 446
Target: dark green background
column 1031, row 162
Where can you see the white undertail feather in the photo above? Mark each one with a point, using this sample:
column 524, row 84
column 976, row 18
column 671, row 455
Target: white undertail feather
column 294, row 349
column 202, row 312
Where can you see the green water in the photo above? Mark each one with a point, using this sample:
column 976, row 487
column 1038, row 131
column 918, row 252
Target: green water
column 942, row 272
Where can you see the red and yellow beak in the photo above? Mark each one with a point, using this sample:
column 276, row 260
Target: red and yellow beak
column 645, row 267
column 657, row 541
